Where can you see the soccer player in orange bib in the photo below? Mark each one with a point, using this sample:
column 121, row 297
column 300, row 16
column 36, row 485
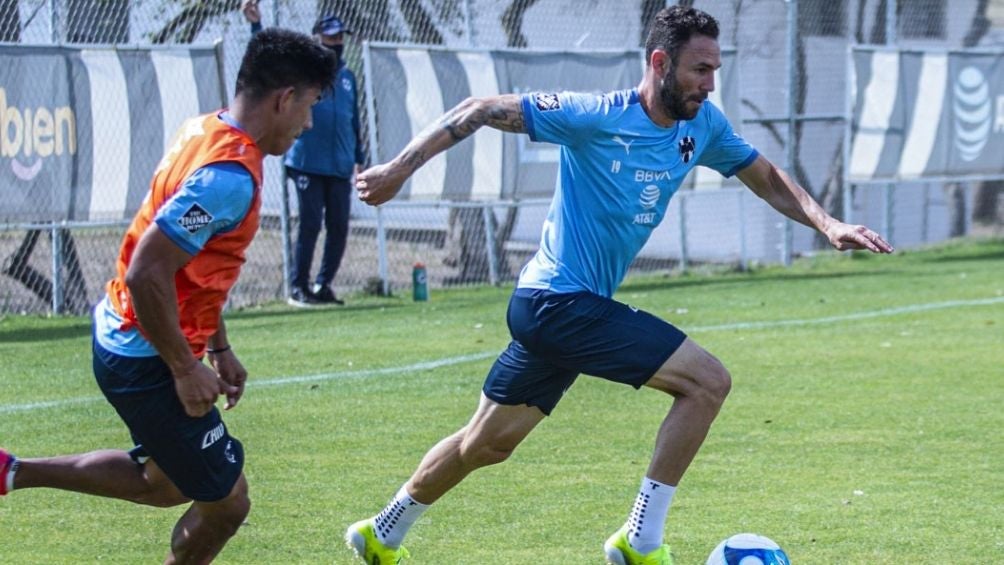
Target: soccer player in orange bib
column 163, row 310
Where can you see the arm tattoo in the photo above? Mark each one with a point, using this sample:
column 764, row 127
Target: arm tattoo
column 507, row 118
column 501, row 112
column 460, row 129
column 414, row 159
column 504, row 113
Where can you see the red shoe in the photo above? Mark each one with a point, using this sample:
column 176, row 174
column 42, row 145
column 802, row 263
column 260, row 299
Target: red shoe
column 7, row 462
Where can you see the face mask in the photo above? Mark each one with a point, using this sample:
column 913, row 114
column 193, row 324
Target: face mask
column 338, row 49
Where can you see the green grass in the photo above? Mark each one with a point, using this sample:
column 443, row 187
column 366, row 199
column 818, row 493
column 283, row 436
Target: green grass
column 847, row 438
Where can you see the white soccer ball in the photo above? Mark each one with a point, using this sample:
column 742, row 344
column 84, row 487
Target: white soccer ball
column 748, row 549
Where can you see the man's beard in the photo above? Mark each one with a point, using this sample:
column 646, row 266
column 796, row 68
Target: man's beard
column 672, row 98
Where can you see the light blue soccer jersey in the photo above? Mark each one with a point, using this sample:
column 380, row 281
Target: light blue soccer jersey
column 618, row 170
column 224, row 192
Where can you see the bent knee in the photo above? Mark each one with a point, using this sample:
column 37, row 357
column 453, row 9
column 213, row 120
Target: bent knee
column 705, row 379
column 226, row 516
column 237, row 512
column 237, row 505
column 716, row 383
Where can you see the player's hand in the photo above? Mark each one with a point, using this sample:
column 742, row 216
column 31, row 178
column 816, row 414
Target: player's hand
column 848, row 236
column 198, row 387
column 379, row 184
column 232, row 372
column 251, row 12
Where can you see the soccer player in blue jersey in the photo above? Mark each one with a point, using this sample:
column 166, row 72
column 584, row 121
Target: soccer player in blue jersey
column 623, row 155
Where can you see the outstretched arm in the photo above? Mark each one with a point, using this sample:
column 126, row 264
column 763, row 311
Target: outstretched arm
column 379, row 184
column 786, row 196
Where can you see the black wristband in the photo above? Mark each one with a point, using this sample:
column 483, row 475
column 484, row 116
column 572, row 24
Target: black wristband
column 220, row 350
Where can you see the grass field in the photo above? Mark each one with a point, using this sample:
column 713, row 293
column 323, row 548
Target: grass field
column 864, row 425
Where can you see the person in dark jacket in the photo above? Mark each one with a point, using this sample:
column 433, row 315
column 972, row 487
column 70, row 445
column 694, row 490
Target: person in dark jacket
column 321, row 165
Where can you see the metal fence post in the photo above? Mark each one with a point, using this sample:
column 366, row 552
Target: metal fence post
column 887, row 210
column 968, row 206
column 891, row 22
column 382, row 253
column 286, row 236
column 371, row 128
column 743, row 259
column 57, row 271
column 925, row 212
column 468, row 24
column 845, row 177
column 683, row 231
column 285, row 224
column 489, row 217
column 790, row 148
column 54, row 22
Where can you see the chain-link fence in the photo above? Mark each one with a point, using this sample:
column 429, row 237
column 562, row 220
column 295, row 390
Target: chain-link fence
column 793, row 91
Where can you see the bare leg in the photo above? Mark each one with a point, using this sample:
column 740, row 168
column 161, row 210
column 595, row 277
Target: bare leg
column 109, row 473
column 700, row 383
column 205, row 528
column 489, row 438
column 200, row 533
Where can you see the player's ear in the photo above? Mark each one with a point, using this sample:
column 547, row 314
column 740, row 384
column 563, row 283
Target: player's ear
column 659, row 60
column 284, row 99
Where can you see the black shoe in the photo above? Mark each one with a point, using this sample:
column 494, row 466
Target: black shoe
column 324, row 295
column 302, row 298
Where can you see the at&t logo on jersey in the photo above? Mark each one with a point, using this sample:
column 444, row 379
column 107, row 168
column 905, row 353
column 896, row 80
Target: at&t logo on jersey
column 648, row 199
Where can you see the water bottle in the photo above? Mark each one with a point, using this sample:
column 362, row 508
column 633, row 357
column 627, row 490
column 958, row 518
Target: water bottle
column 419, row 283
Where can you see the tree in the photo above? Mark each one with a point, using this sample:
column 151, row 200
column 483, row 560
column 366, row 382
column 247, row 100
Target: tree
column 10, row 21
column 186, row 25
column 97, row 21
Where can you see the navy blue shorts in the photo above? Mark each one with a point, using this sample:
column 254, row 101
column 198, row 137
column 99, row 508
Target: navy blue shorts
column 198, row 454
column 558, row 336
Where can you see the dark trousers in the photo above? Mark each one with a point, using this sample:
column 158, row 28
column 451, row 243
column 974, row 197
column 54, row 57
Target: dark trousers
column 321, row 198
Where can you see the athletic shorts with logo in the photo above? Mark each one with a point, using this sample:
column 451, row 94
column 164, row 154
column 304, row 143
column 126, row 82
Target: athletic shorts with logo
column 557, row 336
column 198, row 454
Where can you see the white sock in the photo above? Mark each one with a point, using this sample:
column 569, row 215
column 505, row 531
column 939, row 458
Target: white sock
column 393, row 522
column 648, row 517
column 9, row 479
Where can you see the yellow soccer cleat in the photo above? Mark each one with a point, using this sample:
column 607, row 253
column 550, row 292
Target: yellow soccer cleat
column 361, row 538
column 620, row 552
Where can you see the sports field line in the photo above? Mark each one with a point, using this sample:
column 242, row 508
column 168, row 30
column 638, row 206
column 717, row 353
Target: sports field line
column 258, row 383
column 447, row 361
column 885, row 312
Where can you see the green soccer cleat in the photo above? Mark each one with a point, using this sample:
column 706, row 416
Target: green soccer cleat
column 620, row 552
column 361, row 538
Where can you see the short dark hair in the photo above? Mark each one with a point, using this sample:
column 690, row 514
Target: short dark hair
column 279, row 58
column 674, row 26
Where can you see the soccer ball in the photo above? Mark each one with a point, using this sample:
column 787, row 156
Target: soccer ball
column 748, row 549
